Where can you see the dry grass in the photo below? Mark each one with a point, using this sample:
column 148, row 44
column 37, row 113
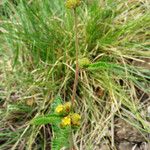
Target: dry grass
column 37, row 63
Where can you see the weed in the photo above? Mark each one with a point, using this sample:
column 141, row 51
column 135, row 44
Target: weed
column 38, row 62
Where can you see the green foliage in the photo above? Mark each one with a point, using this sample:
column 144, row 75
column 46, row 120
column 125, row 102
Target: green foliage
column 118, row 69
column 50, row 119
column 37, row 60
column 60, row 135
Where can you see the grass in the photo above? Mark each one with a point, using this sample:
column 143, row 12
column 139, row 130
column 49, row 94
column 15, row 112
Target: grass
column 37, row 63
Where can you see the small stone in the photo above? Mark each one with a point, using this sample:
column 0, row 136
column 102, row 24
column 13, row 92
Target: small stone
column 124, row 131
column 145, row 146
column 125, row 146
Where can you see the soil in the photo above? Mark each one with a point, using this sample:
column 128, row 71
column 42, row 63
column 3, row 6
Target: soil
column 129, row 138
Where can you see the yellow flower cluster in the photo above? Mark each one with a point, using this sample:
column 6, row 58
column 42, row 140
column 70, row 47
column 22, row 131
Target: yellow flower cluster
column 71, row 4
column 67, row 107
column 75, row 119
column 72, row 119
column 59, row 109
column 63, row 109
column 66, row 121
column 69, row 118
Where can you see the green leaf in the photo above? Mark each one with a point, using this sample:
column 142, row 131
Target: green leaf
column 41, row 120
column 62, row 137
column 103, row 65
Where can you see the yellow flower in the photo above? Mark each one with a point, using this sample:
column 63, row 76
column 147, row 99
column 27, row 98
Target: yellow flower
column 66, row 121
column 67, row 107
column 75, row 119
column 71, row 4
column 59, row 109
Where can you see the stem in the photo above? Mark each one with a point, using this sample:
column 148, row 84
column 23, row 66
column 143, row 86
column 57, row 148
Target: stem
column 77, row 63
column 77, row 68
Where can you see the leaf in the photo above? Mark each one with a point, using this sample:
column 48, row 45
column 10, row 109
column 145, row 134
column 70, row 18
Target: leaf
column 103, row 65
column 61, row 137
column 41, row 120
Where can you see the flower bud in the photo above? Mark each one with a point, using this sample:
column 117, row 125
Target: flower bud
column 67, row 107
column 75, row 119
column 83, row 62
column 71, row 4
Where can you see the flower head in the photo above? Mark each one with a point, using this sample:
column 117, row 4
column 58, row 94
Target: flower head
column 66, row 121
column 59, row 109
column 75, row 119
column 67, row 107
column 83, row 62
column 71, row 4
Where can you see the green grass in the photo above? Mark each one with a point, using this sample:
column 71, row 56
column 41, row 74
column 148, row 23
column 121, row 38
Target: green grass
column 37, row 63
